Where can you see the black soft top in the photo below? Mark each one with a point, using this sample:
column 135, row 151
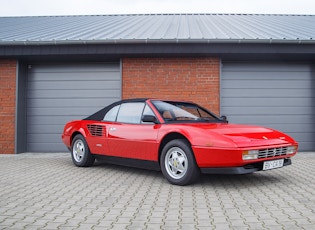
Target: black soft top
column 99, row 115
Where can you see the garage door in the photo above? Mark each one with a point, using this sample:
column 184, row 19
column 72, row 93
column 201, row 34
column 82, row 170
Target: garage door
column 59, row 93
column 279, row 96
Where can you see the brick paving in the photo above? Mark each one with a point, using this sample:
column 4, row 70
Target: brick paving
column 46, row 191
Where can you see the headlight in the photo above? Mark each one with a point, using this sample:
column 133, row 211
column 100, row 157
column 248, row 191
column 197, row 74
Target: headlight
column 291, row 149
column 250, row 154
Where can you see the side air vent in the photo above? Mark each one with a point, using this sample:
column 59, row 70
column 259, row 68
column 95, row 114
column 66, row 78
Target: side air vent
column 95, row 130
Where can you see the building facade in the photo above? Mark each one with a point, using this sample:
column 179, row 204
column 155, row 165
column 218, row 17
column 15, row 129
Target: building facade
column 255, row 69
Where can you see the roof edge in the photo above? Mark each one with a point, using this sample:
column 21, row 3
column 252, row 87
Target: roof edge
column 147, row 14
column 157, row 41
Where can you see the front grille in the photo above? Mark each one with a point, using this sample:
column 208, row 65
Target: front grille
column 95, row 130
column 272, row 152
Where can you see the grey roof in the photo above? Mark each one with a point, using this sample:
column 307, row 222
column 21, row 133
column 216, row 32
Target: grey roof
column 158, row 28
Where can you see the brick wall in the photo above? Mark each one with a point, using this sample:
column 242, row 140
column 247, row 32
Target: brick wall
column 7, row 106
column 194, row 79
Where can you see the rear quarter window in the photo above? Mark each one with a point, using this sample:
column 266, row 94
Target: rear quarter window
column 111, row 115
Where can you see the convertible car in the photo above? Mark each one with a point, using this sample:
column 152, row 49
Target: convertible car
column 179, row 138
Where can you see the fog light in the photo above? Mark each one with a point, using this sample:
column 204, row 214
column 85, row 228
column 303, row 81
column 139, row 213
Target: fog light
column 250, row 154
column 291, row 149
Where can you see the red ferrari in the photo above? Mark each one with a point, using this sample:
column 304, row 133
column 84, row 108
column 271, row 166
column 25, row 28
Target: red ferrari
column 179, row 138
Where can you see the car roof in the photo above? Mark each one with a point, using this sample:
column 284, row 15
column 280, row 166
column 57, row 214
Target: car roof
column 99, row 115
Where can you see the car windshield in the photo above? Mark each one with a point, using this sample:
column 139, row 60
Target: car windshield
column 182, row 111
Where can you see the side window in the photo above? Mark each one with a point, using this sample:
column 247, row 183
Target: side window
column 147, row 111
column 130, row 112
column 112, row 114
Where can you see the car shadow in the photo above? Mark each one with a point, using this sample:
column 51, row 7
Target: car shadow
column 208, row 180
column 246, row 181
column 125, row 169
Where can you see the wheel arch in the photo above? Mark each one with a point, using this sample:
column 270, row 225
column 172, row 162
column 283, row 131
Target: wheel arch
column 74, row 134
column 169, row 137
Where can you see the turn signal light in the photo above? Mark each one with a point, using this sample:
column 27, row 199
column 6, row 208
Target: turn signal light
column 291, row 149
column 250, row 154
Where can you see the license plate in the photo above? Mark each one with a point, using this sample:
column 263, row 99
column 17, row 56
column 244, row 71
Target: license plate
column 273, row 164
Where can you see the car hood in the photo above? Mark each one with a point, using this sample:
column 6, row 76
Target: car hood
column 245, row 135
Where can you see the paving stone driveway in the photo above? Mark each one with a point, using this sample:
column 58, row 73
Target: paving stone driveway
column 46, row 191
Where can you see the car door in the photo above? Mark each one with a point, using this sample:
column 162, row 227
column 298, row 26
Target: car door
column 97, row 137
column 131, row 138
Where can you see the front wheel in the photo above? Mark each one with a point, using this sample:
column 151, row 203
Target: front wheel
column 80, row 152
column 178, row 164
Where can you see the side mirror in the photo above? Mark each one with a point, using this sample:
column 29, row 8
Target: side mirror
column 224, row 118
column 149, row 118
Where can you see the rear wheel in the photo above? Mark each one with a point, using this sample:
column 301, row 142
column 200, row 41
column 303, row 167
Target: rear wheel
column 80, row 152
column 178, row 164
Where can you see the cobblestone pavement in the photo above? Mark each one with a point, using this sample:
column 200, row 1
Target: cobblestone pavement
column 46, row 191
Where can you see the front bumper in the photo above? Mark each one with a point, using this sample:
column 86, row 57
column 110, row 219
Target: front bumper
column 214, row 157
column 246, row 169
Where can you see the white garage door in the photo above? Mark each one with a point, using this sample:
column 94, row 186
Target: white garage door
column 58, row 93
column 279, row 96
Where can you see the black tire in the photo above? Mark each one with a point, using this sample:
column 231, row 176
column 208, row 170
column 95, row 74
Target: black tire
column 80, row 152
column 178, row 163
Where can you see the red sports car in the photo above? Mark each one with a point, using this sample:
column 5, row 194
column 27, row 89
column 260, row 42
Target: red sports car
column 179, row 138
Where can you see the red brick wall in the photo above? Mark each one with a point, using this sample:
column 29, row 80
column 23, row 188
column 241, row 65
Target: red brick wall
column 7, row 105
column 194, row 79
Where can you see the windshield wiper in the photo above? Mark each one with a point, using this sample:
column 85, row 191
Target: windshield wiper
column 205, row 119
column 184, row 118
